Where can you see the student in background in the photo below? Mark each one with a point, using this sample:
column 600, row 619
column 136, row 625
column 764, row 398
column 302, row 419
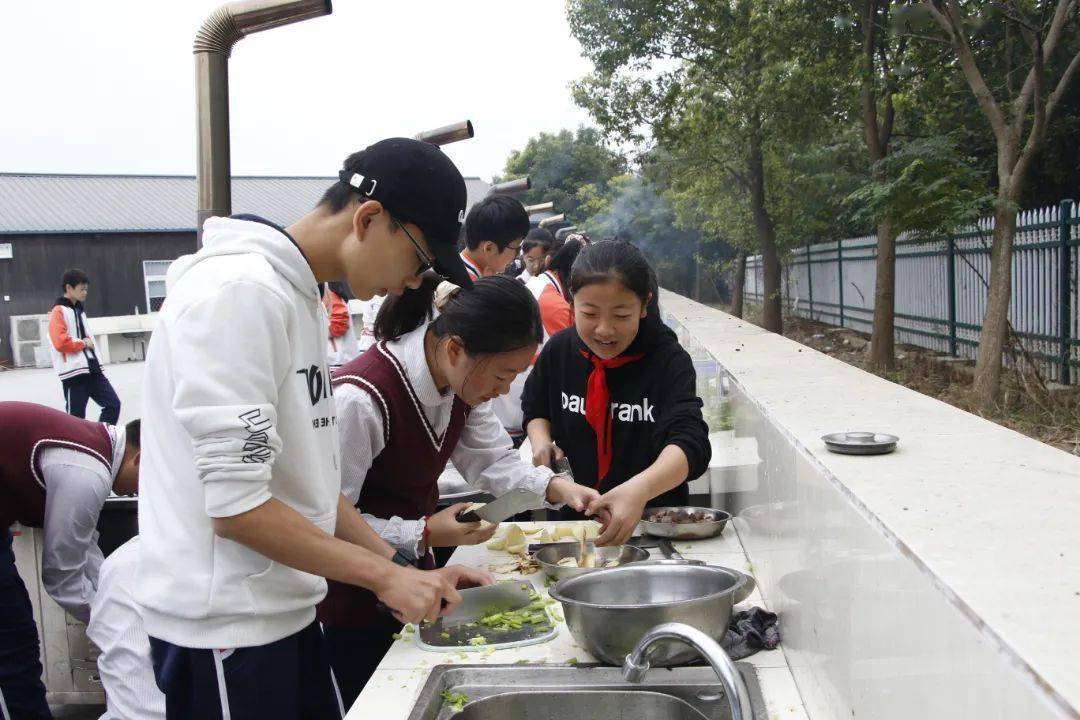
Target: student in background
column 554, row 301
column 408, row 405
column 555, row 315
column 341, row 343
column 55, row 473
column 618, row 394
column 73, row 354
column 535, row 253
column 369, row 311
column 494, row 230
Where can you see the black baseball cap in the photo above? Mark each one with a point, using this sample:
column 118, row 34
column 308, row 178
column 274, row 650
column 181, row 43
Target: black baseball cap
column 418, row 184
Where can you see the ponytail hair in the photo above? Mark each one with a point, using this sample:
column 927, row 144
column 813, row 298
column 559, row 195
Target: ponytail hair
column 563, row 261
column 498, row 314
column 401, row 314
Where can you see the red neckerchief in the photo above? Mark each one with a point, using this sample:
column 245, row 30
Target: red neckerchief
column 597, row 407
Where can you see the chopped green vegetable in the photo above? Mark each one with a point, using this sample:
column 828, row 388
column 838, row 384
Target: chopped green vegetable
column 572, row 661
column 478, row 640
column 445, row 635
column 455, row 701
column 396, row 636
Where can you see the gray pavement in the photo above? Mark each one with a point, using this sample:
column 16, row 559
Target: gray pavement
column 43, row 387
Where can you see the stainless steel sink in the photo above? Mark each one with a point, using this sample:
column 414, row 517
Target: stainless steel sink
column 588, row 692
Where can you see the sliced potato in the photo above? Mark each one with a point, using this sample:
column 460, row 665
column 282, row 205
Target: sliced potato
column 515, row 540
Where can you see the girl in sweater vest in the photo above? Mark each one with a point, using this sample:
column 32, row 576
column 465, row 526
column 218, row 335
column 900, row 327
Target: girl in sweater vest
column 416, row 399
column 618, row 394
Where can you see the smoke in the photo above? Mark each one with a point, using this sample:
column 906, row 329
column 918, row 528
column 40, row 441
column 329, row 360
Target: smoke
column 638, row 212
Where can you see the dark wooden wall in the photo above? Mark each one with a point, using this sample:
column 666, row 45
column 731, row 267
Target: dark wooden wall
column 31, row 279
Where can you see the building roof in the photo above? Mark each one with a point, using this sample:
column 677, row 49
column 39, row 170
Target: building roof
column 33, row 203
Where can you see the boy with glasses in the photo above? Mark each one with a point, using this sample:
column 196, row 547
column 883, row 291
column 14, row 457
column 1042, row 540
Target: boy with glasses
column 241, row 513
column 494, row 231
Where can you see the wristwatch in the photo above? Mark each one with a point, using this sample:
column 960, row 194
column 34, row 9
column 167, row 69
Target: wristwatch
column 402, row 559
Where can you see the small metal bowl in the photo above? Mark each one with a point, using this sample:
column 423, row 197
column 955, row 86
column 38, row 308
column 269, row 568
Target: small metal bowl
column 685, row 531
column 860, row 443
column 551, row 555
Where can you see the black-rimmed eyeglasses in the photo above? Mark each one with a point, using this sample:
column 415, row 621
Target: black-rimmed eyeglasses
column 426, row 262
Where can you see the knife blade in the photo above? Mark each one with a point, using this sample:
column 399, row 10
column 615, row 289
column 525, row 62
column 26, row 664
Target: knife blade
column 481, row 601
column 503, row 507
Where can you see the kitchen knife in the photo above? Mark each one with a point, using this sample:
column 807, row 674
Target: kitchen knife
column 479, row 602
column 503, row 507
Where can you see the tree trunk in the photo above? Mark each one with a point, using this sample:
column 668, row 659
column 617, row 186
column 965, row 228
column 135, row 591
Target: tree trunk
column 739, row 284
column 882, row 343
column 995, row 319
column 771, row 311
column 697, row 271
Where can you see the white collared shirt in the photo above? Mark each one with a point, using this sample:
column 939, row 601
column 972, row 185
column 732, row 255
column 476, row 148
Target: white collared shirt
column 116, row 627
column 484, row 455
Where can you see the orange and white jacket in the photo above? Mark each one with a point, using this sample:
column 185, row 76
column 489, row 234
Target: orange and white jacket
column 67, row 333
column 341, row 345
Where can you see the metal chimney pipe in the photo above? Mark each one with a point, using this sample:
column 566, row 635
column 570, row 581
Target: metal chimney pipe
column 448, row 133
column 554, row 219
column 511, row 187
column 542, row 207
column 213, row 43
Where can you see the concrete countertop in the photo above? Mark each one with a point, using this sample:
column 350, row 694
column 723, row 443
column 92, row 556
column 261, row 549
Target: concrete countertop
column 392, row 691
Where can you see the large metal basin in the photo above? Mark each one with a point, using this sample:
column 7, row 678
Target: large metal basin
column 609, row 610
column 525, row 692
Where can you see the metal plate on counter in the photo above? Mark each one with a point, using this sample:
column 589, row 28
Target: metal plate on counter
column 860, row 443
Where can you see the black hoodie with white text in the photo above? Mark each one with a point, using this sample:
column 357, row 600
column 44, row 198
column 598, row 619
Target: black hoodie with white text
column 653, row 404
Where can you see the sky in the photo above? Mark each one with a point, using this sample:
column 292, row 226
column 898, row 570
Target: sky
column 109, row 86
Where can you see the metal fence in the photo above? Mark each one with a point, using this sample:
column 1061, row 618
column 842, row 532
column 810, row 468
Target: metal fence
column 941, row 287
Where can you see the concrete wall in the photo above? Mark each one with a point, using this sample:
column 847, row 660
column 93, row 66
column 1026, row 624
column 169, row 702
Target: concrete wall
column 941, row 581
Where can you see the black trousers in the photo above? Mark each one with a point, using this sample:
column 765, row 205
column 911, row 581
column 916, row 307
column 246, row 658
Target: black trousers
column 289, row 679
column 22, row 694
column 92, row 386
column 354, row 655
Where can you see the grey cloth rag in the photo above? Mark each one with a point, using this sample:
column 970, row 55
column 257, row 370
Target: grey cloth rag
column 749, row 631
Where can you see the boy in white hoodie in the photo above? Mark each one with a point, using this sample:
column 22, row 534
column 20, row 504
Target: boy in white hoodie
column 241, row 513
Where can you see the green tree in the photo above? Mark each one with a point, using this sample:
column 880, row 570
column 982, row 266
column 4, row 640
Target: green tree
column 561, row 165
column 1018, row 59
column 715, row 86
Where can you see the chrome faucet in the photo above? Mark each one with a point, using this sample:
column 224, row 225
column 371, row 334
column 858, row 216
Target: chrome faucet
column 637, row 663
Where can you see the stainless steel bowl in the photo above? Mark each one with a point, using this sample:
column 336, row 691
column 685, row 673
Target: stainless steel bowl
column 609, row 610
column 685, row 531
column 551, row 555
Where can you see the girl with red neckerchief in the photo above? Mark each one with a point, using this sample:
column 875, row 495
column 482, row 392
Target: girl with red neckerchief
column 617, row 394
